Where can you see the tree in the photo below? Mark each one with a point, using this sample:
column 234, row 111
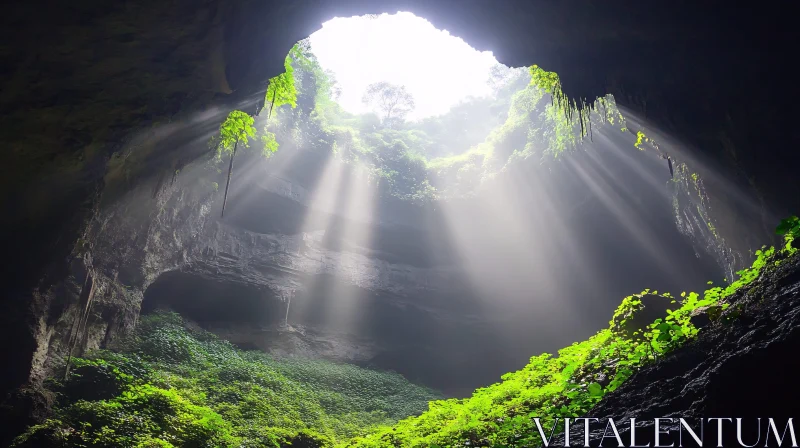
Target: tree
column 392, row 102
column 281, row 89
column 237, row 128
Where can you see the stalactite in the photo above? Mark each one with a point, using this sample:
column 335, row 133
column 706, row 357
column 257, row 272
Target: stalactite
column 288, row 304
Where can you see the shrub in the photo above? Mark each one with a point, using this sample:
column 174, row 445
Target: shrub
column 173, row 386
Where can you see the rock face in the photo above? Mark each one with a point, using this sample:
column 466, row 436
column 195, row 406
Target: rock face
column 70, row 104
column 742, row 365
column 431, row 292
column 103, row 105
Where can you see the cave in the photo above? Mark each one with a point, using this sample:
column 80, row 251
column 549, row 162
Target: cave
column 207, row 302
column 112, row 196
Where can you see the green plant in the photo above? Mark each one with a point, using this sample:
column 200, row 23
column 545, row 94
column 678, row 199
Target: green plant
column 569, row 384
column 237, row 128
column 172, row 386
column 790, row 229
column 789, row 226
column 281, row 89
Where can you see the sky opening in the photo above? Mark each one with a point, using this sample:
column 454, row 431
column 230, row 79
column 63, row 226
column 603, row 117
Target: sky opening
column 437, row 68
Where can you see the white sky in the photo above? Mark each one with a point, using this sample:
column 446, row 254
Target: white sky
column 437, row 68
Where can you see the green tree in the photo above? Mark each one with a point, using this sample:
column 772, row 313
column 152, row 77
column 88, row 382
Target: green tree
column 391, row 102
column 237, row 128
column 281, row 89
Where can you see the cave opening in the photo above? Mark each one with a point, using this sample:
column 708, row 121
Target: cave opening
column 413, row 172
column 379, row 230
column 209, row 301
column 403, row 148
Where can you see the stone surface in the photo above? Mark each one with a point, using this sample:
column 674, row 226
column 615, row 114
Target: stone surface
column 103, row 102
column 743, row 365
column 398, row 300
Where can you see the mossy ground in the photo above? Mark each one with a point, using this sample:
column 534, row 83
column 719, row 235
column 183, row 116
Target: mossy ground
column 174, row 386
column 170, row 385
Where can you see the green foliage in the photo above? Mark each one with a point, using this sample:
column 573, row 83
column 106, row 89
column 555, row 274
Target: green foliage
column 237, row 128
column 281, row 89
column 104, row 375
column 444, row 156
column 790, row 229
column 270, row 143
column 639, row 138
column 171, row 386
column 566, row 385
column 547, row 81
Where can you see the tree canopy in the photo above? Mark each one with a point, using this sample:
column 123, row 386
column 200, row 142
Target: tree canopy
column 391, row 101
column 281, row 89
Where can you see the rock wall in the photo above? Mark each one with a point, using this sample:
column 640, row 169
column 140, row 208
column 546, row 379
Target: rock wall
column 740, row 366
column 99, row 101
column 83, row 78
column 449, row 307
column 409, row 289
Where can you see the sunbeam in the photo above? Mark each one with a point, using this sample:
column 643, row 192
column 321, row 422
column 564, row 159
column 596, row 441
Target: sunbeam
column 381, row 237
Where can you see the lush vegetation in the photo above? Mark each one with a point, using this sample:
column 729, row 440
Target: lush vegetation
column 169, row 385
column 432, row 158
column 569, row 384
column 174, row 386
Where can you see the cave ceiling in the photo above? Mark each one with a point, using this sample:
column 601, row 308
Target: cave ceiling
column 82, row 78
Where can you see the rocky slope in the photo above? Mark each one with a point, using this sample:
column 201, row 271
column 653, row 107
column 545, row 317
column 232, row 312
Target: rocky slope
column 742, row 365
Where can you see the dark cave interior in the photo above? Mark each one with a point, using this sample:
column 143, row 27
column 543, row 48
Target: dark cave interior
column 102, row 99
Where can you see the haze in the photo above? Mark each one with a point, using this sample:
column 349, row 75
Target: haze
column 363, row 50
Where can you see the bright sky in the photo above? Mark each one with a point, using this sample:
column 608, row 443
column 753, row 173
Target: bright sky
column 437, row 68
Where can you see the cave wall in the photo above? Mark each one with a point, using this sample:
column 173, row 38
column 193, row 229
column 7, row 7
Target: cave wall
column 400, row 299
column 103, row 102
column 83, row 77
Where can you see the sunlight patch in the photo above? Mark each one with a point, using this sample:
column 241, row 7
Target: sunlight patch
column 438, row 69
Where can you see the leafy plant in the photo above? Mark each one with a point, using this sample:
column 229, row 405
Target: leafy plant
column 790, row 229
column 281, row 89
column 566, row 385
column 171, row 386
column 237, row 128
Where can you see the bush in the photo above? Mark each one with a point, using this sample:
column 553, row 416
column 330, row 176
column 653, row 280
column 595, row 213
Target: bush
column 175, row 387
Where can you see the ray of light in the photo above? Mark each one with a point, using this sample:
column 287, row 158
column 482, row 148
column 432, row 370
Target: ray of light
column 624, row 215
column 522, row 267
column 671, row 146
